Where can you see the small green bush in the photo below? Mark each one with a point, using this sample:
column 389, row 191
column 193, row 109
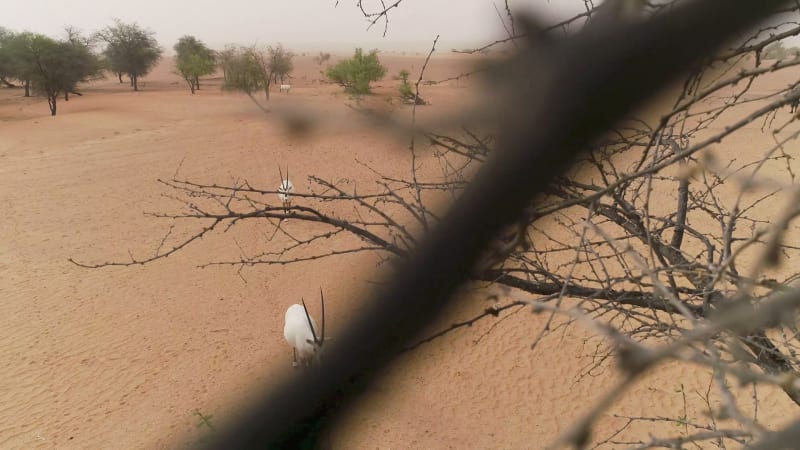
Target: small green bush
column 356, row 73
column 404, row 76
column 406, row 93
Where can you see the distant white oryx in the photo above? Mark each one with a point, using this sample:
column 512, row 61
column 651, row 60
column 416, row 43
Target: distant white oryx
column 285, row 188
column 286, row 88
column 301, row 333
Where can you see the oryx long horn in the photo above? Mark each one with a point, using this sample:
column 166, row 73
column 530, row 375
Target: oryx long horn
column 280, row 172
column 322, row 300
column 308, row 317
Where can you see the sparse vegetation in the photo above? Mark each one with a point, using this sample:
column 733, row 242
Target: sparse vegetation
column 403, row 75
column 356, row 73
column 406, row 93
column 193, row 60
column 322, row 58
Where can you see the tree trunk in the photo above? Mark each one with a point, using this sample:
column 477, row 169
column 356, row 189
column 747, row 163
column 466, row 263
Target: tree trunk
column 197, row 83
column 119, row 75
column 683, row 204
column 27, row 88
column 66, row 96
column 51, row 101
column 135, row 82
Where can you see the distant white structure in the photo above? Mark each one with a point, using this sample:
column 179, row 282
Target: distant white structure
column 286, row 88
column 301, row 332
column 285, row 188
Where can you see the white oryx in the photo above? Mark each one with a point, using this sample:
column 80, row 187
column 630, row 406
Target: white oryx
column 301, row 332
column 285, row 188
column 286, row 88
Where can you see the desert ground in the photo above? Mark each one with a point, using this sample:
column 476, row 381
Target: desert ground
column 125, row 357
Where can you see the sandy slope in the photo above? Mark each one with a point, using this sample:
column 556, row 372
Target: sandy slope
column 122, row 357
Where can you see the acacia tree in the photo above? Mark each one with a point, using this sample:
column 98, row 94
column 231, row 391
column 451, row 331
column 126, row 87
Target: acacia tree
column 18, row 51
column 6, row 71
column 689, row 277
column 356, row 73
column 31, row 58
column 59, row 67
column 130, row 50
column 280, row 63
column 226, row 58
column 193, row 60
column 250, row 69
column 84, row 64
column 246, row 71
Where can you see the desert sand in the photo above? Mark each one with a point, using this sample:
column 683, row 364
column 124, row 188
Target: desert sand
column 124, row 357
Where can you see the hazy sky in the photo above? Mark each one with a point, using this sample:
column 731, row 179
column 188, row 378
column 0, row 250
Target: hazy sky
column 300, row 24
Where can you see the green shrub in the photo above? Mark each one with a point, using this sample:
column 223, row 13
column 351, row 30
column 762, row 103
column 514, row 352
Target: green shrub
column 356, row 73
column 406, row 93
column 404, row 76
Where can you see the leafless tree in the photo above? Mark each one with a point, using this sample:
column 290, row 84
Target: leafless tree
column 659, row 239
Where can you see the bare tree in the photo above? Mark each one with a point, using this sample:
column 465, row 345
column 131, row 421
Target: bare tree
column 322, row 58
column 687, row 279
